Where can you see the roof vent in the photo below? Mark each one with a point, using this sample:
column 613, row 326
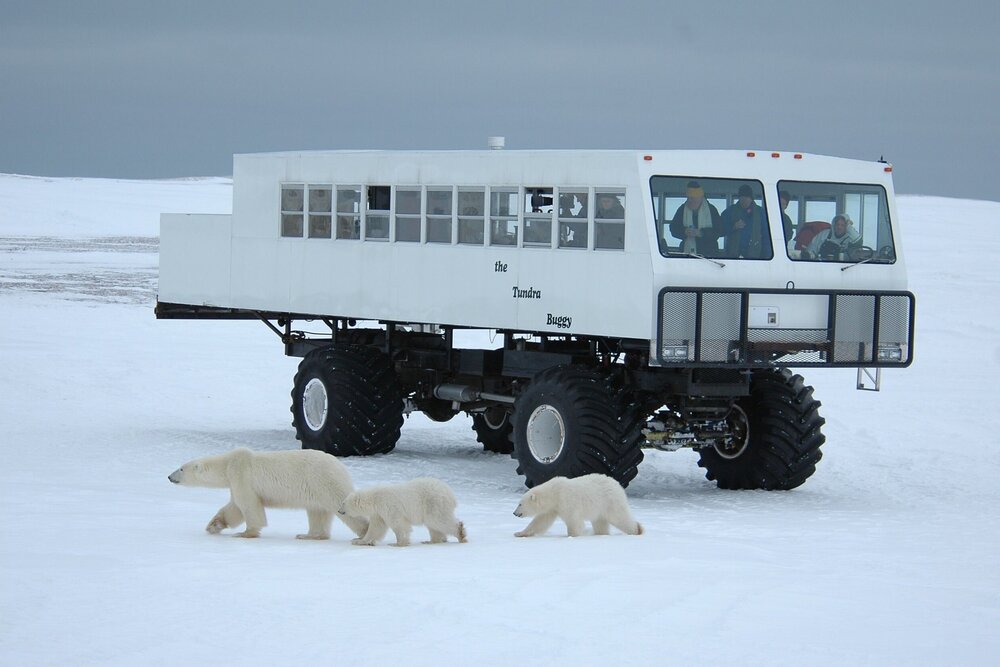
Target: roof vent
column 495, row 143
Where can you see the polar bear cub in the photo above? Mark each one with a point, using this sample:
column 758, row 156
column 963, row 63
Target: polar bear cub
column 596, row 498
column 295, row 479
column 424, row 501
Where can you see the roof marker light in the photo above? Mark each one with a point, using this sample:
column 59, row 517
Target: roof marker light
column 647, row 158
column 775, row 154
column 888, row 170
column 751, row 154
column 798, row 156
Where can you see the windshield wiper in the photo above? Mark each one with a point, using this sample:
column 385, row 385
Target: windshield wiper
column 860, row 261
column 697, row 256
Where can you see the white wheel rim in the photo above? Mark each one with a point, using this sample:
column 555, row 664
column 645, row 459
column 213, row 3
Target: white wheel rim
column 741, row 430
column 546, row 434
column 314, row 404
column 497, row 423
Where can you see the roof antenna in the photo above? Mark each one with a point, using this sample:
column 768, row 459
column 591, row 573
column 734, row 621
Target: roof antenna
column 881, row 158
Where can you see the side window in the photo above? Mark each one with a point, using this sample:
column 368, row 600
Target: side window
column 471, row 215
column 573, row 218
column 609, row 220
column 348, row 213
column 377, row 213
column 538, row 217
column 439, row 208
column 408, row 214
column 503, row 216
column 291, row 210
column 320, row 203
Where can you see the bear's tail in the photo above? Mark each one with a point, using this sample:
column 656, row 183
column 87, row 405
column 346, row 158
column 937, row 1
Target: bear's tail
column 462, row 537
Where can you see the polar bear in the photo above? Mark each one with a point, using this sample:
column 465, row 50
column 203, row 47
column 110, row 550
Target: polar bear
column 425, row 501
column 596, row 498
column 295, row 479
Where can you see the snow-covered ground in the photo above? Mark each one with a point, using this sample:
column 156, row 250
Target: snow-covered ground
column 887, row 556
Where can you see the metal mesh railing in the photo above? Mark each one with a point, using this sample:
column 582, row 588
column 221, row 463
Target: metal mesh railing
column 710, row 328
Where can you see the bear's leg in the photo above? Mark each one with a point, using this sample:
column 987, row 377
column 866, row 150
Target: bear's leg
column 539, row 524
column 456, row 528
column 600, row 526
column 574, row 526
column 357, row 524
column 253, row 511
column 229, row 516
column 624, row 522
column 376, row 531
column 402, row 531
column 436, row 536
column 319, row 525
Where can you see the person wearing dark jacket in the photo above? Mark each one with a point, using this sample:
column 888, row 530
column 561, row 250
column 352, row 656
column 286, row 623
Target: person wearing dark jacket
column 744, row 225
column 696, row 223
column 786, row 220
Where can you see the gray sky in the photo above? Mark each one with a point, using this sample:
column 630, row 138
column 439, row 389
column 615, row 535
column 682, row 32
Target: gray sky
column 138, row 89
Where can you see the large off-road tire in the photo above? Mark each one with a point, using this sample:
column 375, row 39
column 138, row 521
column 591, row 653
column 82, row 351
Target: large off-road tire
column 346, row 401
column 572, row 421
column 493, row 428
column 779, row 435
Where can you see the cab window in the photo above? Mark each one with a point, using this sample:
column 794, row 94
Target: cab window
column 836, row 222
column 711, row 217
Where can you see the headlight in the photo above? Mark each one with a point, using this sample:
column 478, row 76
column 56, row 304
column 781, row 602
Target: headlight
column 675, row 352
column 890, row 353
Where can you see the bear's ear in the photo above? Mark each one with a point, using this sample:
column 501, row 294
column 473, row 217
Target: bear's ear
column 531, row 496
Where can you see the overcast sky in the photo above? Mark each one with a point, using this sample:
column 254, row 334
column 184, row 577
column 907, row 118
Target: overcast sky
column 138, row 89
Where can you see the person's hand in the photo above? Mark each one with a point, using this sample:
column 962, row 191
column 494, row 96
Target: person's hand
column 693, row 233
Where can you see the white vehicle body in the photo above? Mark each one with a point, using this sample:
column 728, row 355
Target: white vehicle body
column 242, row 261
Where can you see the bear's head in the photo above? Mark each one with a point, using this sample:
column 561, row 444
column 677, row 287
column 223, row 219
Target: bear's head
column 359, row 504
column 529, row 505
column 350, row 505
column 208, row 471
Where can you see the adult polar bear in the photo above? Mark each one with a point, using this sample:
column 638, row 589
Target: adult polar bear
column 596, row 498
column 294, row 479
column 425, row 501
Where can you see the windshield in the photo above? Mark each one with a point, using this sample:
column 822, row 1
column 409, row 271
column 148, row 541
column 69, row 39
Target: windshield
column 711, row 217
column 836, row 222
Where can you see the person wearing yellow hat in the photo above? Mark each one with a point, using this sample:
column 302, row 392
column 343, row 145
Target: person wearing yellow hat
column 696, row 223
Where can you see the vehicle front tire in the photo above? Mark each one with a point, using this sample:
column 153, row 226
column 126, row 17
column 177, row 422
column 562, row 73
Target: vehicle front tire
column 346, row 401
column 571, row 421
column 778, row 436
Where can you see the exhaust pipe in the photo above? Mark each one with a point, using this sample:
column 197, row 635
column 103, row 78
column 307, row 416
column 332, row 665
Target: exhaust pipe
column 461, row 393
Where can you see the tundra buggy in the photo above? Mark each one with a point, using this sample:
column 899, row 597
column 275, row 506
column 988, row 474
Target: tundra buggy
column 631, row 298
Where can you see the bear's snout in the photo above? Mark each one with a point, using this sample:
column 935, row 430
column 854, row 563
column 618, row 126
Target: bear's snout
column 517, row 512
column 175, row 477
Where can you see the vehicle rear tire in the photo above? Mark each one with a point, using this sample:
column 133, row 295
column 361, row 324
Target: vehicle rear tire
column 779, row 436
column 346, row 401
column 572, row 421
column 493, row 429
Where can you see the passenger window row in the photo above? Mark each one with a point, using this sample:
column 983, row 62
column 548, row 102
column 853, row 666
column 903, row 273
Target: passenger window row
column 540, row 217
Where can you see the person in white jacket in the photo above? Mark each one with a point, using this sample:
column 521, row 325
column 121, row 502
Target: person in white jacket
column 834, row 242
